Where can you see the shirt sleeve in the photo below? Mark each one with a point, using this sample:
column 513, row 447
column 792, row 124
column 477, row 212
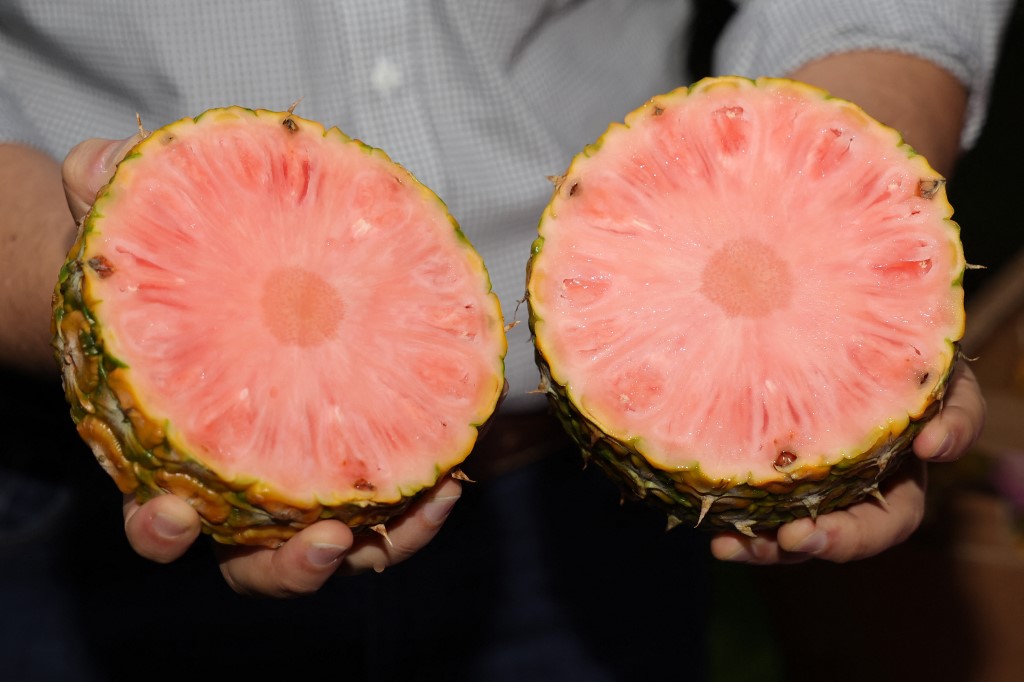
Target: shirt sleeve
column 15, row 125
column 774, row 37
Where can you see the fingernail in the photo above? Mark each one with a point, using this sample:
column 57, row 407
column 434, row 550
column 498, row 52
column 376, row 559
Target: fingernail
column 738, row 553
column 114, row 152
column 322, row 554
column 813, row 543
column 169, row 527
column 944, row 450
column 436, row 511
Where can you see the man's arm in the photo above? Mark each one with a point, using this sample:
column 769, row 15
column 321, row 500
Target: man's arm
column 921, row 100
column 36, row 231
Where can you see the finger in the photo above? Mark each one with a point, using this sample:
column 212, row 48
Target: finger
column 299, row 567
column 162, row 529
column 88, row 167
column 762, row 550
column 306, row 561
column 863, row 529
column 958, row 423
column 857, row 532
column 406, row 535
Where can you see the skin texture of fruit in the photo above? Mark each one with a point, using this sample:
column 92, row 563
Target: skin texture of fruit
column 276, row 323
column 746, row 301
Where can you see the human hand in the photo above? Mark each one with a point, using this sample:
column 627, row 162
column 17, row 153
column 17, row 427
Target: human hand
column 165, row 527
column 869, row 527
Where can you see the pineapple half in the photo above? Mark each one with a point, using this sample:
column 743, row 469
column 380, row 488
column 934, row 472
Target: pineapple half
column 277, row 323
column 746, row 301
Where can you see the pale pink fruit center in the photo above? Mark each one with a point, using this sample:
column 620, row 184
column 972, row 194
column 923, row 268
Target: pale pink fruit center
column 746, row 277
column 300, row 308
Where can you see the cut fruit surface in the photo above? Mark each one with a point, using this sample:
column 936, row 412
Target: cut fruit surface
column 745, row 297
column 283, row 321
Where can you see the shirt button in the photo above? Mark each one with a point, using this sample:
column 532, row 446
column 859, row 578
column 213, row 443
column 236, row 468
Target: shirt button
column 385, row 77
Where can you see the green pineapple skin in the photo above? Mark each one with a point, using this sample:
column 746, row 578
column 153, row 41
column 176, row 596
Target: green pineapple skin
column 688, row 497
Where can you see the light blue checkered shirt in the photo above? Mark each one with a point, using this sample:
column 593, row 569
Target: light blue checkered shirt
column 481, row 99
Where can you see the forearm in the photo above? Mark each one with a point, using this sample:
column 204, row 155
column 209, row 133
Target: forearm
column 919, row 99
column 36, row 229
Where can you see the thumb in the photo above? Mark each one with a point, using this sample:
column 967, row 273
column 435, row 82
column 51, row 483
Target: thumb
column 162, row 529
column 88, row 167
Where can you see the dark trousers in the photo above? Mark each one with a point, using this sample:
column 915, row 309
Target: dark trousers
column 539, row 574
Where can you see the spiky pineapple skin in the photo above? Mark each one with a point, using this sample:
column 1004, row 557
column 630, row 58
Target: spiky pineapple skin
column 132, row 446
